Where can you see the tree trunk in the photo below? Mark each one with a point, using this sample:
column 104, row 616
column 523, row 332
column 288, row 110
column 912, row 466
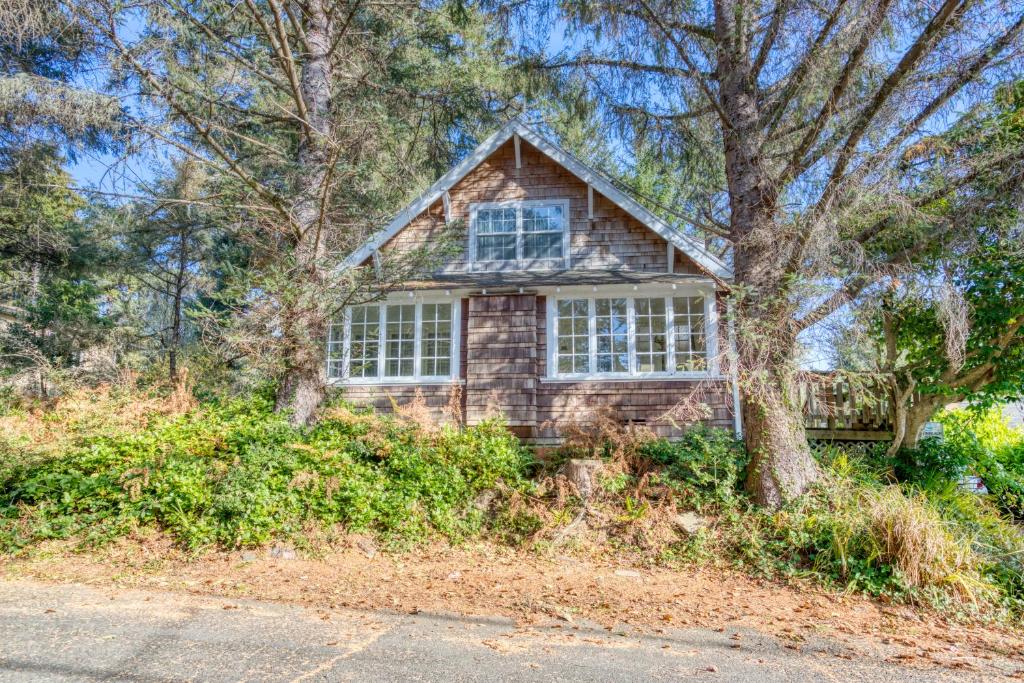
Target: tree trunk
column 918, row 415
column 781, row 466
column 179, row 295
column 303, row 311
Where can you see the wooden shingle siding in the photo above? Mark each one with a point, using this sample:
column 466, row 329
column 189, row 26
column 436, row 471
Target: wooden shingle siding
column 501, row 362
column 380, row 396
column 612, row 240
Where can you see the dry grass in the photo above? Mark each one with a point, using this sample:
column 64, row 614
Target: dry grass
column 626, row 508
column 49, row 424
column 602, row 431
column 912, row 536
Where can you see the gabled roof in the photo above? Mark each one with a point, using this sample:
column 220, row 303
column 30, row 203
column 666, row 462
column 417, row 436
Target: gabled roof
column 693, row 249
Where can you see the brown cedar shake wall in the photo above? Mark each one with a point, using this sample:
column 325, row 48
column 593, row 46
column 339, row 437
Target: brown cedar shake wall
column 503, row 343
column 612, row 240
column 504, row 358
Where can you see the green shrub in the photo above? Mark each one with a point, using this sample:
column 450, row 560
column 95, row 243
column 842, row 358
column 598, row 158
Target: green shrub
column 855, row 531
column 996, row 449
column 706, row 463
column 933, row 462
column 236, row 474
column 979, row 442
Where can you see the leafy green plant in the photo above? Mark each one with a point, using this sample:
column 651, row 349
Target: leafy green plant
column 235, row 474
column 705, row 464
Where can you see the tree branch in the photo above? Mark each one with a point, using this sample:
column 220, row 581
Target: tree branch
column 909, row 61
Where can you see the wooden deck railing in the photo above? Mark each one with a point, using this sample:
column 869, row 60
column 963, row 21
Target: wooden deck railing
column 835, row 410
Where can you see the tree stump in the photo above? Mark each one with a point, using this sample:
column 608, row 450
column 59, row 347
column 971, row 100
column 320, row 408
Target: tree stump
column 583, row 475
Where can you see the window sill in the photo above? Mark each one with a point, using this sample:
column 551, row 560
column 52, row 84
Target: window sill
column 679, row 377
column 394, row 381
column 552, row 264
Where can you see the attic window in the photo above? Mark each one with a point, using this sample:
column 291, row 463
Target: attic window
column 520, row 233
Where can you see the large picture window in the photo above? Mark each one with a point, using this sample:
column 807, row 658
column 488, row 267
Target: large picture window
column 393, row 342
column 630, row 336
column 520, row 232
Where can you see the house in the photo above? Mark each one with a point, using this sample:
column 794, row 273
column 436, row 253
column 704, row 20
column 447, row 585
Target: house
column 567, row 296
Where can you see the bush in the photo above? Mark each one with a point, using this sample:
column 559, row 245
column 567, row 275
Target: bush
column 236, row 474
column 706, row 464
column 852, row 530
column 978, row 442
column 934, row 462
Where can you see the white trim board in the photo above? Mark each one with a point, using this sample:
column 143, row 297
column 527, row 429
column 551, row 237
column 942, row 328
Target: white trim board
column 693, row 249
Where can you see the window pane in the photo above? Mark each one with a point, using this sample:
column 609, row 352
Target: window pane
column 651, row 337
column 490, row 221
column 542, row 218
column 612, row 335
column 496, row 248
column 573, row 336
column 399, row 340
column 436, row 340
column 691, row 342
column 335, row 350
column 365, row 342
column 542, row 245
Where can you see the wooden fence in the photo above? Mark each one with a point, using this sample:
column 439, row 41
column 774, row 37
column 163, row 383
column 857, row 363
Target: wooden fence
column 836, row 411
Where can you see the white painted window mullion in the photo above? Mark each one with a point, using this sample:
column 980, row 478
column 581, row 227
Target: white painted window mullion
column 346, row 355
column 381, row 337
column 711, row 333
column 592, row 334
column 670, row 336
column 456, row 340
column 631, row 327
column 472, row 237
column 551, row 303
column 520, row 239
column 417, row 333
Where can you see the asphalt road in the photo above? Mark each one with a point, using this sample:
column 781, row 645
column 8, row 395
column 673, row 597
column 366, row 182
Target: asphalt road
column 76, row 633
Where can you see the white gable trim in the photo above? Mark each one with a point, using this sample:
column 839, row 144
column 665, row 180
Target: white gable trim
column 701, row 256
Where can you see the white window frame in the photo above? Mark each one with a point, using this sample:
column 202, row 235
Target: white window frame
column 416, row 377
column 520, row 263
column 713, row 371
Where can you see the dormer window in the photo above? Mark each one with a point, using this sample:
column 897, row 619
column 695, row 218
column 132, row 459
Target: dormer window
column 520, row 234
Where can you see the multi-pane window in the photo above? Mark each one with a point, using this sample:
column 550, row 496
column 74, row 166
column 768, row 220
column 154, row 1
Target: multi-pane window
column 651, row 335
column 393, row 341
column 336, row 350
column 364, row 344
column 496, row 235
column 630, row 336
column 436, row 340
column 526, row 232
column 612, row 335
column 400, row 341
column 688, row 329
column 542, row 232
column 573, row 329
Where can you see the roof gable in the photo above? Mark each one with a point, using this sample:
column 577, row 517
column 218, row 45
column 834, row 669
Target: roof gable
column 690, row 247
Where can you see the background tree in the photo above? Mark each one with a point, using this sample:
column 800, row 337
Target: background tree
column 951, row 331
column 307, row 117
column 51, row 267
column 171, row 241
column 804, row 110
